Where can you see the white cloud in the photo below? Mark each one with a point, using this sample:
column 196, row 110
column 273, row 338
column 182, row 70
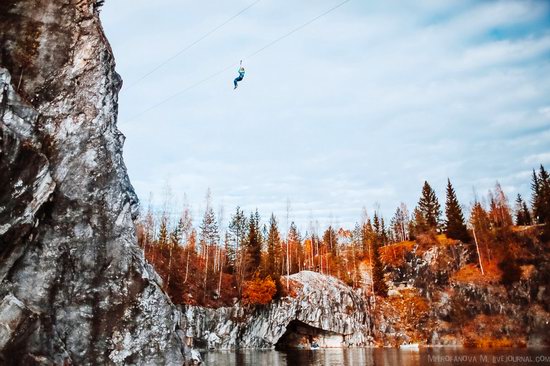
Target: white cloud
column 545, row 111
column 536, row 159
column 359, row 107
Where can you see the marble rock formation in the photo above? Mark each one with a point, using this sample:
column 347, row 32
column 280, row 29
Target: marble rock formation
column 74, row 287
column 333, row 313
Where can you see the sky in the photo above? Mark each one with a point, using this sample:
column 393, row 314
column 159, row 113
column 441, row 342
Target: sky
column 355, row 110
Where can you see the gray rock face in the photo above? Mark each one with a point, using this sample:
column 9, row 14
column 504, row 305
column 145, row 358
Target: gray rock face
column 456, row 306
column 321, row 302
column 74, row 288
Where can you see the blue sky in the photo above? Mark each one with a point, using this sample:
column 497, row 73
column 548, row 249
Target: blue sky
column 356, row 110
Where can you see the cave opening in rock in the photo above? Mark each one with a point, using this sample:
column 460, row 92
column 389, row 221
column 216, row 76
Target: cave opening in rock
column 299, row 335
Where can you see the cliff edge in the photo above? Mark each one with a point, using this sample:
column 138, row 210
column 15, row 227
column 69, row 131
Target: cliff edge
column 74, row 287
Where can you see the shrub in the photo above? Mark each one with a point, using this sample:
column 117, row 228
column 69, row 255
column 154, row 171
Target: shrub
column 259, row 291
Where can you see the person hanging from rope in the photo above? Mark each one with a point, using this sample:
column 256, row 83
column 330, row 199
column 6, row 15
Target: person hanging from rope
column 240, row 77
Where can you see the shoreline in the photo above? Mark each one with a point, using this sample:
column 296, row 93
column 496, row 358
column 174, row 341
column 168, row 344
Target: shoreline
column 202, row 350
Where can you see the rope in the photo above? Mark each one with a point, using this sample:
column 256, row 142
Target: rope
column 168, row 60
column 181, row 92
column 192, row 86
column 298, row 28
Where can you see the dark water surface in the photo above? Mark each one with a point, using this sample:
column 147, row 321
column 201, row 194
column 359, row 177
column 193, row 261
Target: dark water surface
column 379, row 357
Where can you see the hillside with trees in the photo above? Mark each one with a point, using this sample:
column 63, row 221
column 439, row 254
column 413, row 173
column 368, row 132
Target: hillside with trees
column 215, row 267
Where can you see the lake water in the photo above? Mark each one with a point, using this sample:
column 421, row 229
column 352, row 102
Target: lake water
column 380, row 357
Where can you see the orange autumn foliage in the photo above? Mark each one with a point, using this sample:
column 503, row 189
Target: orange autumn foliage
column 394, row 254
column 471, row 273
column 259, row 291
column 493, row 331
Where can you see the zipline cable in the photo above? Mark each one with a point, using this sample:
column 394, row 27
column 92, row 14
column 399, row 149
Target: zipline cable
column 297, row 29
column 181, row 92
column 234, row 64
column 168, row 60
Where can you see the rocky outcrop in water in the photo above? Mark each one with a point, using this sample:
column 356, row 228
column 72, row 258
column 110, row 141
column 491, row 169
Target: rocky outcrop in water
column 74, row 288
column 333, row 314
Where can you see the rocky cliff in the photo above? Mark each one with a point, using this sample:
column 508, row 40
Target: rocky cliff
column 322, row 309
column 438, row 296
column 74, row 286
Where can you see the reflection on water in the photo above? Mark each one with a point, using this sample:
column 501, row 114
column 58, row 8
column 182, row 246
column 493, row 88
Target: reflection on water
column 379, row 357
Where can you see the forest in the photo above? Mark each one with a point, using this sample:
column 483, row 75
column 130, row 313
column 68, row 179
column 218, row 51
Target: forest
column 250, row 261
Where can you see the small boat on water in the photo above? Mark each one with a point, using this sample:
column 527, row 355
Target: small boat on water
column 411, row 346
column 314, row 346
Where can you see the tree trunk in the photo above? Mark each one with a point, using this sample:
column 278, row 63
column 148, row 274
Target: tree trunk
column 478, row 253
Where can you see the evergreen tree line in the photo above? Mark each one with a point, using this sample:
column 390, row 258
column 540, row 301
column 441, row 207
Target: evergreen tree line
column 427, row 216
column 248, row 250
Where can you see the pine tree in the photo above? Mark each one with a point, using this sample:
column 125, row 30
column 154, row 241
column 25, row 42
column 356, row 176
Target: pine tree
column 330, row 245
column 253, row 246
column 376, row 223
column 294, row 242
column 315, row 251
column 163, row 231
column 545, row 195
column 455, row 227
column 535, row 201
column 383, row 233
column 209, row 235
column 541, row 196
column 148, row 227
column 259, row 232
column 429, row 207
column 188, row 233
column 229, row 253
column 175, row 240
column 357, row 236
column 237, row 228
column 330, row 240
column 418, row 224
column 379, row 284
column 526, row 214
column 366, row 237
column 191, row 252
column 176, row 234
column 273, row 267
column 520, row 221
column 523, row 216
